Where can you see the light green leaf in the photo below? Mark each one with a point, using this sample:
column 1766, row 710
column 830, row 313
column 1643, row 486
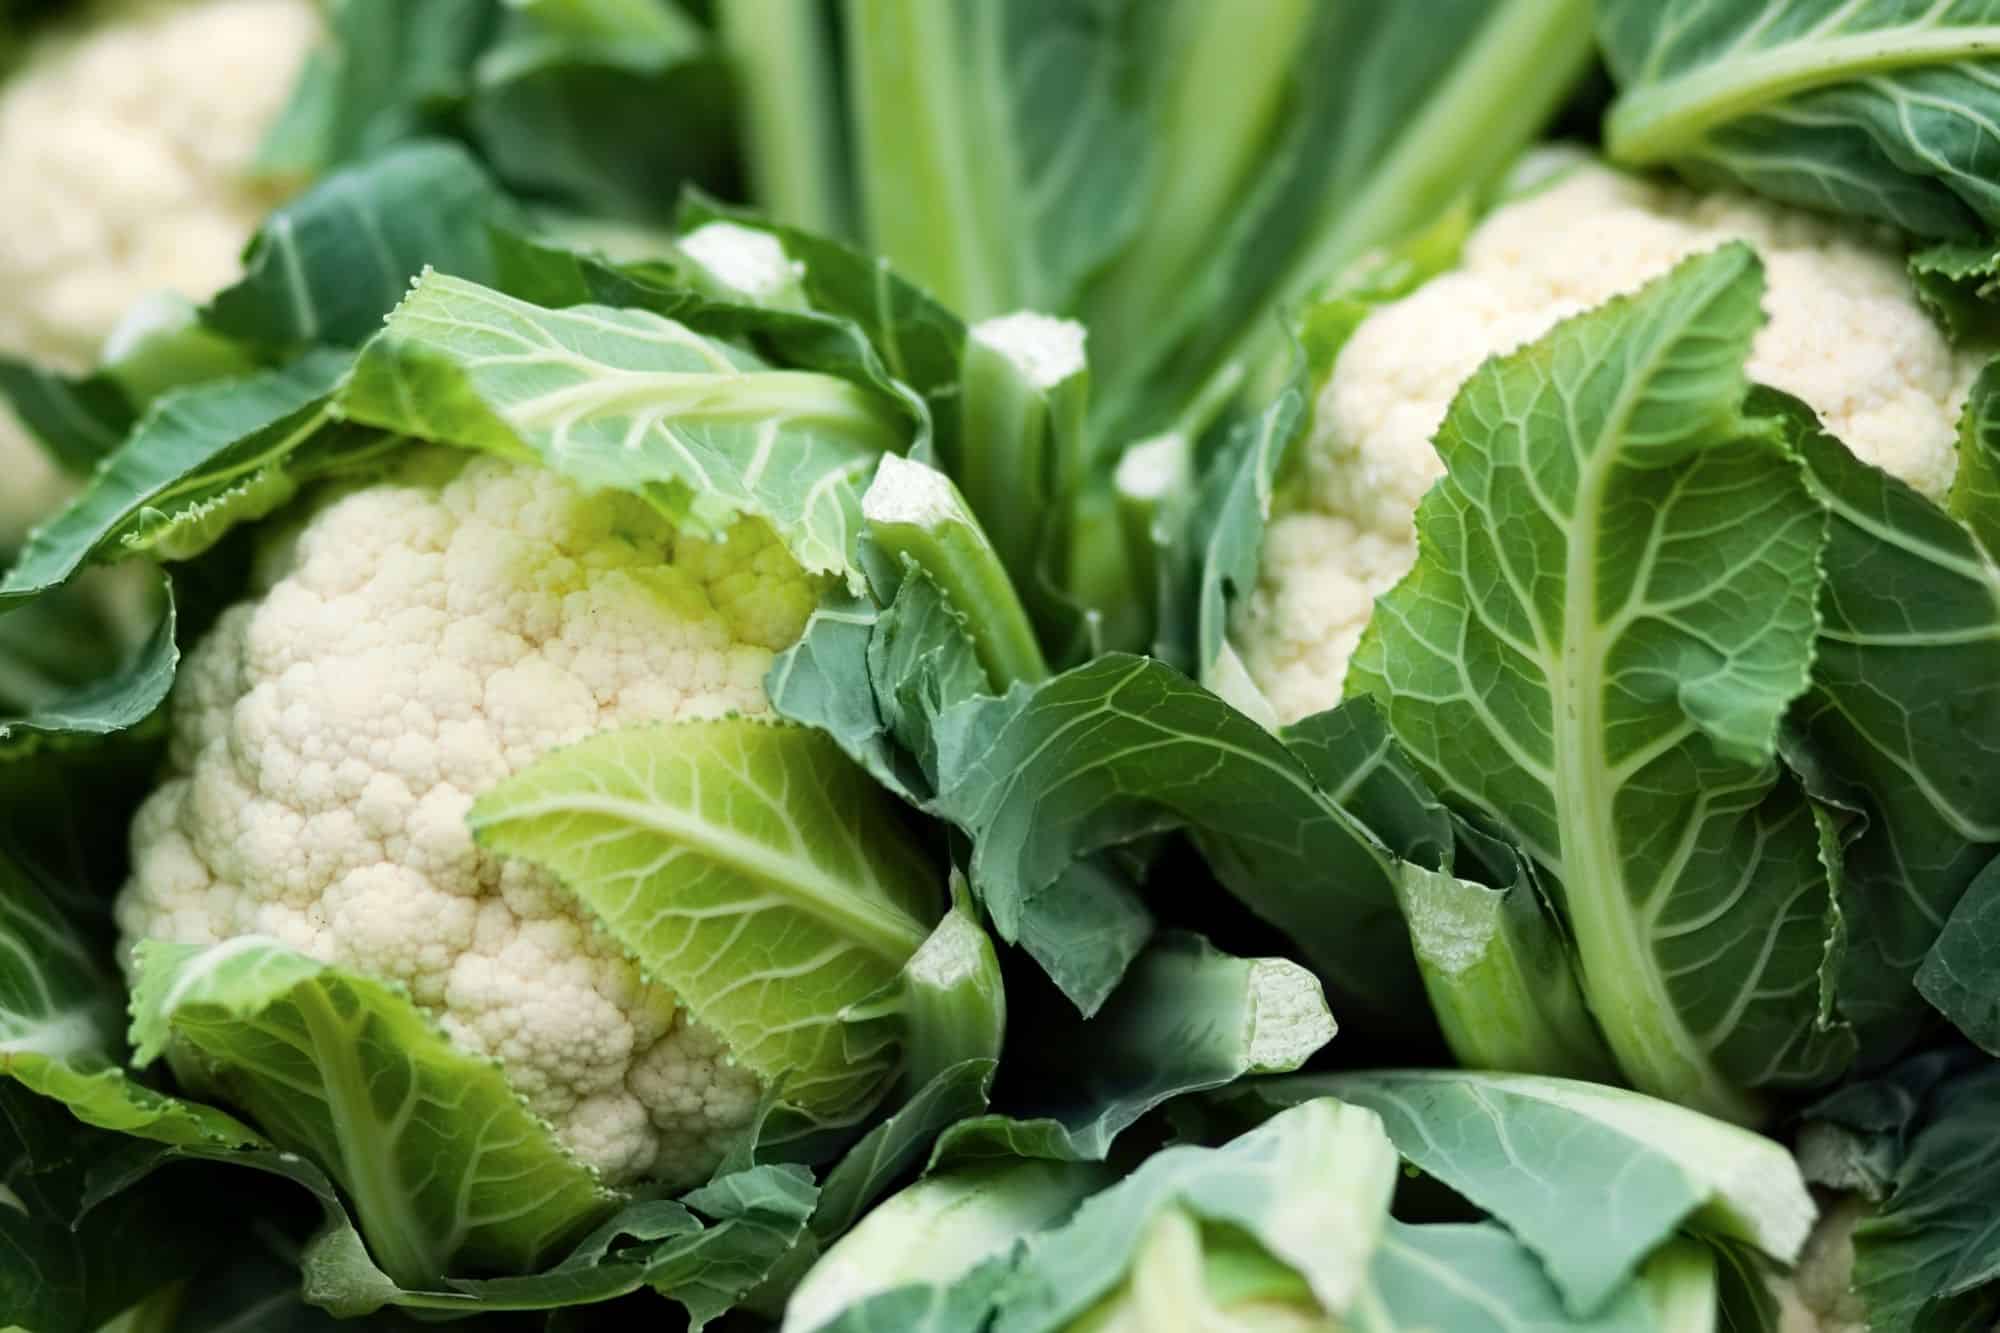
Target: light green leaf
column 1186, row 1018
column 1592, row 1179
column 1882, row 109
column 61, row 1021
column 1475, row 1278
column 627, row 400
column 1612, row 608
column 749, row 868
column 1310, row 1186
column 938, row 1246
column 444, row 1163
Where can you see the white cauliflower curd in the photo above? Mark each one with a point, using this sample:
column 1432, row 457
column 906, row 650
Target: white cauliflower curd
column 417, row 641
column 1845, row 335
column 126, row 145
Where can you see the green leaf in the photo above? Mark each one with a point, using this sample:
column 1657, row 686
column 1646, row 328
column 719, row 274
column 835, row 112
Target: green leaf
column 1310, row 1187
column 1592, row 1179
column 1975, row 490
column 124, row 695
column 1958, row 975
column 1956, row 282
column 748, row 867
column 1905, row 710
column 348, row 1072
column 933, row 1256
column 879, row 681
column 1931, row 1250
column 1880, row 110
column 202, row 458
column 389, row 72
column 1186, row 1018
column 1612, row 607
column 61, row 1020
column 78, row 418
column 627, row 400
column 1475, row 1278
column 327, row 266
column 1124, row 748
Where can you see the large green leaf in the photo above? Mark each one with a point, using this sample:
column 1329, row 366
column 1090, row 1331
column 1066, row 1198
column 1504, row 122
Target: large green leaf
column 1591, row 1179
column 627, row 400
column 327, row 266
column 1904, row 712
column 1612, row 607
column 203, row 458
column 751, row 869
column 444, row 1163
column 1877, row 108
column 1123, row 748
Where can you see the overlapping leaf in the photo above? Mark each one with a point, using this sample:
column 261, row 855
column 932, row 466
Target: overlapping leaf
column 625, row 399
column 1612, row 608
column 1877, row 108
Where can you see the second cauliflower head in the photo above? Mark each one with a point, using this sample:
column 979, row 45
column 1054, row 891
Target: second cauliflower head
column 417, row 641
column 128, row 140
column 1846, row 335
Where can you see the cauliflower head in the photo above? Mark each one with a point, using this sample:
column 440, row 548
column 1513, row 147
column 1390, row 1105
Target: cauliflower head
column 126, row 146
column 414, row 642
column 1845, row 335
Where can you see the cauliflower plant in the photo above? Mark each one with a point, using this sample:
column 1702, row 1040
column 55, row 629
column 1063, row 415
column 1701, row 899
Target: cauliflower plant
column 126, row 146
column 414, row 642
column 1845, row 334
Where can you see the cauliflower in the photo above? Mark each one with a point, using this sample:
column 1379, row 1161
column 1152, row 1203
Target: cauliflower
column 1818, row 1296
column 416, row 641
column 126, row 147
column 1845, row 335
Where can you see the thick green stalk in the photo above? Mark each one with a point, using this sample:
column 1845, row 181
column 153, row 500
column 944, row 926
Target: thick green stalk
column 920, row 154
column 1208, row 148
column 782, row 55
column 915, row 512
column 1023, row 443
column 1498, row 979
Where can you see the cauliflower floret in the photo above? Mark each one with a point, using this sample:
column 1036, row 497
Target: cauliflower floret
column 418, row 642
column 1845, row 335
column 126, row 143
